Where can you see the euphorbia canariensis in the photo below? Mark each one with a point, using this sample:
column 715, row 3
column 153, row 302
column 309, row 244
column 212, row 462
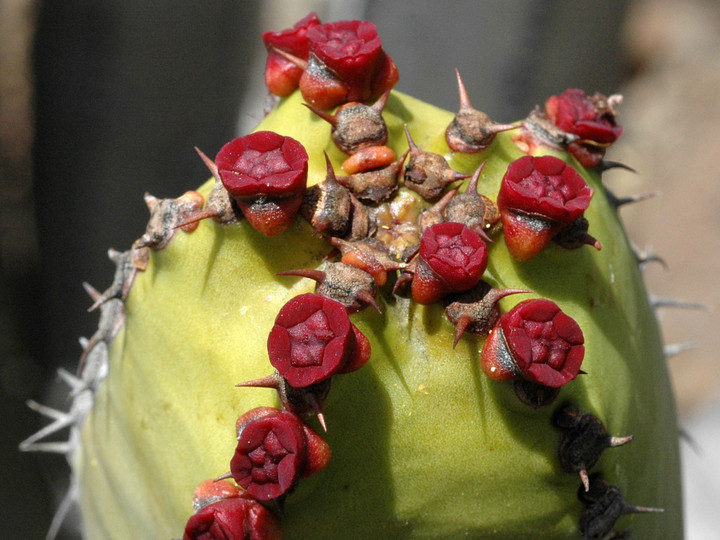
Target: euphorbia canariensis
column 423, row 444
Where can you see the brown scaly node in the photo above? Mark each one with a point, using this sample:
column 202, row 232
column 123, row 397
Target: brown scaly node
column 125, row 273
column 219, row 206
column 436, row 213
column 301, row 401
column 476, row 311
column 603, row 505
column 471, row 131
column 376, row 185
column 428, row 173
column 369, row 255
column 351, row 286
column 538, row 130
column 327, row 206
column 360, row 223
column 166, row 216
column 474, row 210
column 356, row 125
column 582, row 441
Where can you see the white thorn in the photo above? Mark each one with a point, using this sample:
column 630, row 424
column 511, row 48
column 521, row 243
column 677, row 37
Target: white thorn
column 673, row 349
column 663, row 302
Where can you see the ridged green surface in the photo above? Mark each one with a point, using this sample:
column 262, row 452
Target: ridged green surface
column 424, row 444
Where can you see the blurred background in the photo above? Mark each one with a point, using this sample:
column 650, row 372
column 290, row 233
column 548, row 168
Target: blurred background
column 102, row 100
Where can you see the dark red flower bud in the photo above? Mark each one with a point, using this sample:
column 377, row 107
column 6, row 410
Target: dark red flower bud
column 281, row 75
column 235, row 518
column 312, row 339
column 538, row 197
column 275, row 449
column 536, row 341
column 346, row 63
column 452, row 258
column 590, row 118
column 266, row 174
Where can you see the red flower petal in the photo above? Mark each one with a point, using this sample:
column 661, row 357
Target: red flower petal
column 544, row 186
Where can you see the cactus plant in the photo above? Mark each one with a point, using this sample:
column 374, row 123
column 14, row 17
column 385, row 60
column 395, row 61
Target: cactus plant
column 423, row 444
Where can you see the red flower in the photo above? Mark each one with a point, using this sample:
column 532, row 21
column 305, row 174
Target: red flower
column 314, row 339
column 266, row 174
column 263, row 163
column 536, row 341
column 452, row 258
column 347, row 63
column 590, row 118
column 275, row 449
column 281, row 75
column 538, row 197
column 236, row 518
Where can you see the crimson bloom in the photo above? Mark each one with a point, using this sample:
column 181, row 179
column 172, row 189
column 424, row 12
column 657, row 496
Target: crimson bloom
column 282, row 75
column 590, row 118
column 535, row 341
column 538, row 197
column 275, row 449
column 236, row 518
column 452, row 258
column 313, row 339
column 266, row 175
column 346, row 63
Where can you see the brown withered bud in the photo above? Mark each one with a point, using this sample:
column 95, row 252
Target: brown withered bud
column 534, row 394
column 356, row 125
column 352, row 287
column 327, row 206
column 576, row 235
column 219, row 206
column 125, row 273
column 476, row 311
column 370, row 255
column 471, row 131
column 582, row 441
column 376, row 185
column 301, row 401
column 475, row 211
column 166, row 215
column 360, row 223
column 603, row 505
column 428, row 173
column 436, row 213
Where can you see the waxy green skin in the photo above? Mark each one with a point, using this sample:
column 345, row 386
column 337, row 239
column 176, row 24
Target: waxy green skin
column 424, row 444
